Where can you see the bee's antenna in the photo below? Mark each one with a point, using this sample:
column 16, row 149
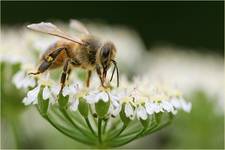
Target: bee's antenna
column 117, row 72
column 113, row 72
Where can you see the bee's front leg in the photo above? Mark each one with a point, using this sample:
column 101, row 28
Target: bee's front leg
column 47, row 62
column 88, row 78
column 66, row 70
column 98, row 70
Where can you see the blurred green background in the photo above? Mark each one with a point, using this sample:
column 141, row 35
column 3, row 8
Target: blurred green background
column 195, row 25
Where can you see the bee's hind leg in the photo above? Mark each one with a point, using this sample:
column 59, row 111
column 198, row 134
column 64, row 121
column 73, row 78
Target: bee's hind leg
column 47, row 62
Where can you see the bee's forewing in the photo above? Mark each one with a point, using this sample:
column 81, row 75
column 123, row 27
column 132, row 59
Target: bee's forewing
column 51, row 29
column 77, row 25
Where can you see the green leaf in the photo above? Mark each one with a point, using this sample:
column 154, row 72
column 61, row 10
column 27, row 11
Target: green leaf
column 63, row 101
column 42, row 104
column 123, row 116
column 83, row 107
column 102, row 108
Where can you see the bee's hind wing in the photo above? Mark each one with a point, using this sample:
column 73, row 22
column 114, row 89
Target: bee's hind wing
column 77, row 25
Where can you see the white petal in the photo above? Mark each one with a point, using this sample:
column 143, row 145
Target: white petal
column 116, row 110
column 46, row 93
column 74, row 105
column 33, row 94
column 104, row 96
column 157, row 108
column 26, row 101
column 186, row 105
column 91, row 98
column 28, row 82
column 55, row 89
column 17, row 78
column 149, row 108
column 74, row 88
column 176, row 103
column 113, row 97
column 129, row 110
column 167, row 106
column 174, row 112
column 141, row 113
column 66, row 91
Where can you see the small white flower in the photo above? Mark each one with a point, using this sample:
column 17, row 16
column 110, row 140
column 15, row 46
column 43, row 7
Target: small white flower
column 55, row 89
column 32, row 96
column 115, row 106
column 95, row 96
column 46, row 93
column 152, row 107
column 186, row 106
column 66, row 91
column 129, row 111
column 141, row 113
column 167, row 106
column 149, row 108
column 74, row 104
column 74, row 92
column 176, row 103
column 21, row 80
column 70, row 89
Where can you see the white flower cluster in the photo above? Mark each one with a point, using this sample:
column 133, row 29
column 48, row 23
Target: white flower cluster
column 139, row 101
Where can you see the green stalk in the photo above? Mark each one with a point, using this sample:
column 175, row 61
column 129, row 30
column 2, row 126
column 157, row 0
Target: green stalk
column 119, row 133
column 74, row 124
column 94, row 119
column 105, row 125
column 90, row 127
column 100, row 130
column 117, row 144
column 158, row 128
column 66, row 133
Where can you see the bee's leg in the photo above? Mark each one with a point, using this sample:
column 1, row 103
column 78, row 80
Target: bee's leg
column 68, row 74
column 64, row 74
column 98, row 70
column 47, row 62
column 88, row 78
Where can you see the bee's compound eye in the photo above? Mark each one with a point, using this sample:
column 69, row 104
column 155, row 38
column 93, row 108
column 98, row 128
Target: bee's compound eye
column 105, row 52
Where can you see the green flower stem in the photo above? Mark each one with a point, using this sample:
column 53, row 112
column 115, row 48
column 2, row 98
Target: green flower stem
column 67, row 133
column 90, row 127
column 92, row 115
column 157, row 128
column 123, row 142
column 78, row 117
column 114, row 129
column 118, row 133
column 100, row 130
column 58, row 114
column 105, row 125
column 149, row 130
column 74, row 124
column 128, row 134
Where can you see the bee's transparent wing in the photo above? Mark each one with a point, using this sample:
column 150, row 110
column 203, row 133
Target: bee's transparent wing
column 51, row 29
column 77, row 25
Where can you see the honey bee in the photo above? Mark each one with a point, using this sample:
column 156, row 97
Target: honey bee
column 87, row 52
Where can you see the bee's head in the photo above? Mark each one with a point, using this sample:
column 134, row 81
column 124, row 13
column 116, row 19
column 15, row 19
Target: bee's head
column 107, row 54
column 106, row 57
